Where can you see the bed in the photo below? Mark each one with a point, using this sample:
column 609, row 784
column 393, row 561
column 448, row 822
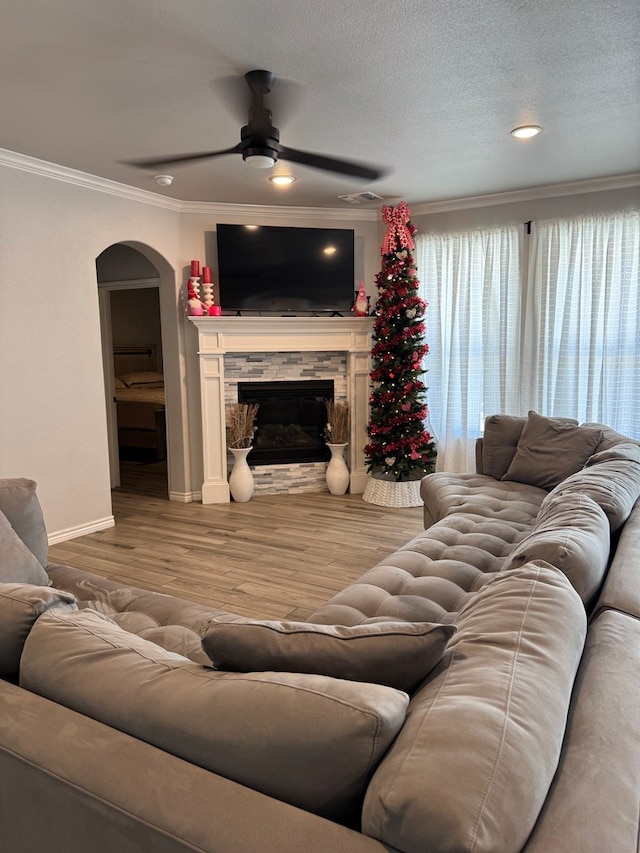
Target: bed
column 140, row 402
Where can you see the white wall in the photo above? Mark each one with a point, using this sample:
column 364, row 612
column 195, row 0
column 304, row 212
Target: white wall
column 52, row 411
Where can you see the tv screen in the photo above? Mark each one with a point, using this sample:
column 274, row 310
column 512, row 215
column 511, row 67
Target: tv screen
column 276, row 269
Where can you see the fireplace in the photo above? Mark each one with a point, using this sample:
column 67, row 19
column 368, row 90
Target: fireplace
column 290, row 422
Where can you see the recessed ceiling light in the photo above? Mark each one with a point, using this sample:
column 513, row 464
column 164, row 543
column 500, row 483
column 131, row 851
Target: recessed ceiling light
column 282, row 180
column 526, row 131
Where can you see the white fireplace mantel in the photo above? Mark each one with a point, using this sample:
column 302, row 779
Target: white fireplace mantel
column 220, row 335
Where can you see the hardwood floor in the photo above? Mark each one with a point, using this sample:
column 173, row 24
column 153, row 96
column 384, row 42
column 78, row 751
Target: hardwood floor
column 275, row 556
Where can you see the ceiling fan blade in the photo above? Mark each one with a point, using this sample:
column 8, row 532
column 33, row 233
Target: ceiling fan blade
column 157, row 162
column 331, row 164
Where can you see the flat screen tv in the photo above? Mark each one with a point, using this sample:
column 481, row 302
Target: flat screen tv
column 269, row 269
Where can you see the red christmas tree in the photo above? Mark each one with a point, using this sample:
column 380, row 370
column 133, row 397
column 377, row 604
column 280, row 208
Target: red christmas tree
column 400, row 448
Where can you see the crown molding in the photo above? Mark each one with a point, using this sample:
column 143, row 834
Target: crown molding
column 25, row 163
column 277, row 211
column 83, row 179
column 616, row 182
column 14, row 160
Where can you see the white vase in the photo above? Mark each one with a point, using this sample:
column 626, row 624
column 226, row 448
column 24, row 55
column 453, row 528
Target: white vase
column 337, row 471
column 241, row 481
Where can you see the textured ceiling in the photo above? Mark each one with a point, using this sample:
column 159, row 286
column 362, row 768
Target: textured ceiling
column 427, row 88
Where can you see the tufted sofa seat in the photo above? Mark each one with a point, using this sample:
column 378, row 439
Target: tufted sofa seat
column 431, row 577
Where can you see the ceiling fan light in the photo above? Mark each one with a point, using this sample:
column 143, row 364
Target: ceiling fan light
column 282, row 180
column 259, row 161
column 526, row 131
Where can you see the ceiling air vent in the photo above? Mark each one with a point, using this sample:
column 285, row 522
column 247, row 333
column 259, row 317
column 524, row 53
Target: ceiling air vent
column 358, row 198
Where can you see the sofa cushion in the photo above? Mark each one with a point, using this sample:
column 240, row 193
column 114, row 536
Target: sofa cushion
column 399, row 654
column 20, row 606
column 550, row 449
column 571, row 533
column 472, row 766
column 309, row 740
column 499, row 442
column 19, row 503
column 612, row 479
column 17, row 563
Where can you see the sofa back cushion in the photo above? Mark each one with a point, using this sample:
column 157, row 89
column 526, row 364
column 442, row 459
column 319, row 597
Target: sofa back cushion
column 17, row 563
column 611, row 477
column 309, row 740
column 472, row 766
column 571, row 533
column 20, row 605
column 19, row 503
column 550, row 449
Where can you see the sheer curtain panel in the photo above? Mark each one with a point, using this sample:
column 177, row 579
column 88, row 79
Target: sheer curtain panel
column 472, row 283
column 581, row 352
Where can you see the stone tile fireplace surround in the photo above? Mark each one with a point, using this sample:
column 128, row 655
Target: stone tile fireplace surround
column 233, row 349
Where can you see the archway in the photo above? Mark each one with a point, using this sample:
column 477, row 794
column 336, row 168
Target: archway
column 135, row 327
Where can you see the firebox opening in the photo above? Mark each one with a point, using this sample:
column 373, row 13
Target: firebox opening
column 290, row 422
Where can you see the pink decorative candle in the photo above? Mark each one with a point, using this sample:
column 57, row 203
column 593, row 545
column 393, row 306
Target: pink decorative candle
column 195, row 268
column 206, row 275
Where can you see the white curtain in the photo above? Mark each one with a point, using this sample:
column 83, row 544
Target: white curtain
column 472, row 284
column 581, row 352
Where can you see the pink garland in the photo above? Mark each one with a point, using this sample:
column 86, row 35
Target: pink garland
column 398, row 235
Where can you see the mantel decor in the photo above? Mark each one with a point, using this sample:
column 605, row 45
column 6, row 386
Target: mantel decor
column 400, row 450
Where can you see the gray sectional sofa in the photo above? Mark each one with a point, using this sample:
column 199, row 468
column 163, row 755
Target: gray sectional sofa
column 477, row 690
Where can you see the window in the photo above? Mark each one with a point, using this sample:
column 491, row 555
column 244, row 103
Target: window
column 579, row 352
column 582, row 337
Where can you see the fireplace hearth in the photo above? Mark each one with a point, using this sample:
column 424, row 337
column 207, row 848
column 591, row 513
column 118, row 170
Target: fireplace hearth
column 290, row 422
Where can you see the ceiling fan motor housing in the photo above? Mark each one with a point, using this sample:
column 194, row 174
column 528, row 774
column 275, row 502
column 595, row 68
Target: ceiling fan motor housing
column 257, row 145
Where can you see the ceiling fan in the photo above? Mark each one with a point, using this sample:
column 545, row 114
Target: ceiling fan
column 260, row 141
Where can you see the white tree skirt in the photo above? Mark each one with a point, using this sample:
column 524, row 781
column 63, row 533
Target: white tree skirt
column 391, row 493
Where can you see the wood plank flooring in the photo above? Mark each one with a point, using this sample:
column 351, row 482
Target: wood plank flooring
column 275, row 556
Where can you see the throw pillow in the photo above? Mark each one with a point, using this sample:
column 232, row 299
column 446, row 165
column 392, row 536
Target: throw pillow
column 20, row 606
column 308, row 740
column 549, row 450
column 499, row 442
column 398, row 654
column 20, row 504
column 17, row 563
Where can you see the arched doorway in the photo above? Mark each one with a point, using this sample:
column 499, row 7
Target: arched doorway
column 130, row 280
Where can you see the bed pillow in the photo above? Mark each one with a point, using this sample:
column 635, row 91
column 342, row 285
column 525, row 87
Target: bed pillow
column 143, row 377
column 20, row 606
column 119, row 384
column 398, row 654
column 308, row 740
column 17, row 563
column 550, row 449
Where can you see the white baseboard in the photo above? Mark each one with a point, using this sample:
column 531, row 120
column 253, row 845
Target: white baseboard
column 185, row 497
column 80, row 530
